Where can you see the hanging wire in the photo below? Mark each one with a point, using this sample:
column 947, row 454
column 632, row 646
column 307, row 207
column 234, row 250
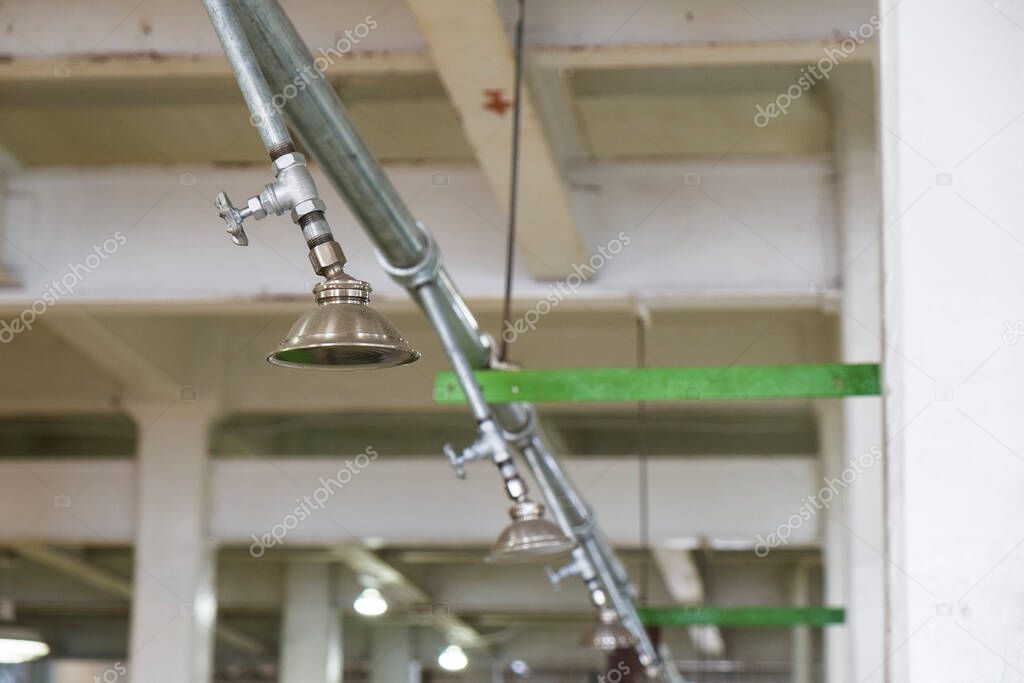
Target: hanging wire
column 643, row 479
column 513, row 192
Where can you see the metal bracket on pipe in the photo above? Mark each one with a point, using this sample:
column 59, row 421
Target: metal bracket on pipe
column 525, row 435
column 421, row 273
column 586, row 527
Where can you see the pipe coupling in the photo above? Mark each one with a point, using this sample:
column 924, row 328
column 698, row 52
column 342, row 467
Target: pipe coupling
column 423, row 272
column 525, row 436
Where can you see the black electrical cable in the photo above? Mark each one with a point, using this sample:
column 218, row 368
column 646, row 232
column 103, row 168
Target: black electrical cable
column 513, row 192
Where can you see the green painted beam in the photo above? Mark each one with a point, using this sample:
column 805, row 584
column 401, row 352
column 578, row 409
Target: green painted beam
column 690, row 615
column 829, row 380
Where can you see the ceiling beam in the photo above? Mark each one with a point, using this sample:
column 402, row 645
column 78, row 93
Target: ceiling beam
column 248, row 498
column 88, row 574
column 226, row 306
column 683, row 580
column 157, row 67
column 103, row 67
column 681, row 55
column 475, row 62
column 365, row 563
column 132, row 369
column 551, row 89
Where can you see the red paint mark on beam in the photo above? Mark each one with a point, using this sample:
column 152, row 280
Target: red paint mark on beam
column 494, row 100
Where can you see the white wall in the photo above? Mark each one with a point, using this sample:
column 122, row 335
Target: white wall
column 954, row 295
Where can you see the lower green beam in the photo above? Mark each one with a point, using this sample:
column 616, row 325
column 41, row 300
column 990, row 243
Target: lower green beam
column 829, row 380
column 691, row 615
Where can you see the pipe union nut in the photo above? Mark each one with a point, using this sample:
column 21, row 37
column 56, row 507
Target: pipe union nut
column 325, row 255
column 287, row 160
column 515, row 488
column 307, row 206
column 272, row 203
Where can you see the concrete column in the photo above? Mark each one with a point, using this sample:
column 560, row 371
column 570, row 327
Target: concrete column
column 311, row 649
column 802, row 650
column 954, row 316
column 174, row 606
column 859, row 219
column 392, row 658
column 6, row 278
column 837, row 536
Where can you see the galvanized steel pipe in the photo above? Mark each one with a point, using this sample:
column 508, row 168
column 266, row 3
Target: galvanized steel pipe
column 324, row 127
column 268, row 121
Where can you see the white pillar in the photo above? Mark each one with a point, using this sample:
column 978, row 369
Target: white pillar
column 6, row 278
column 837, row 537
column 391, row 655
column 174, row 606
column 311, row 649
column 801, row 652
column 954, row 362
column 859, row 218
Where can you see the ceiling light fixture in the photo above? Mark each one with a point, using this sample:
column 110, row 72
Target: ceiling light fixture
column 519, row 668
column 452, row 658
column 370, row 603
column 19, row 645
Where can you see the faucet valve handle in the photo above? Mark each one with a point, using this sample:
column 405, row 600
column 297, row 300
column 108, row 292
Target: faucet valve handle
column 488, row 444
column 233, row 218
column 556, row 576
column 456, row 460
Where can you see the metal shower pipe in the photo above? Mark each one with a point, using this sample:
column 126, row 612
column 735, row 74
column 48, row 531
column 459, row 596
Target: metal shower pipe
column 268, row 121
column 325, row 129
